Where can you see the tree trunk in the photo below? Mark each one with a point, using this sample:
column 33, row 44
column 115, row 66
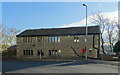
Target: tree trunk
column 111, row 48
column 102, row 45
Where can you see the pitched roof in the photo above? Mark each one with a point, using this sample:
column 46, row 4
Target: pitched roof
column 60, row 31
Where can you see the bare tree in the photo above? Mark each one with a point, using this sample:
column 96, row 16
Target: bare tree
column 8, row 36
column 100, row 20
column 118, row 26
column 112, row 32
column 11, row 34
column 108, row 27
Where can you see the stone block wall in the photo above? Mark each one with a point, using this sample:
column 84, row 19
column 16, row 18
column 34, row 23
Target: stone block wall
column 64, row 46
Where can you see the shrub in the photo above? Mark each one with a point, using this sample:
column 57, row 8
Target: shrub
column 116, row 47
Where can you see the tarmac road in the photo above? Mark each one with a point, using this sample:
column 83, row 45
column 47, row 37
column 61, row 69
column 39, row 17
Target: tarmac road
column 58, row 67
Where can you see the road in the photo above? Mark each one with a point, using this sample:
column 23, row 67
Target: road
column 58, row 67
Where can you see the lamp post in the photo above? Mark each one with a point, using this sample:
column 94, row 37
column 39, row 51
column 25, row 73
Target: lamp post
column 86, row 31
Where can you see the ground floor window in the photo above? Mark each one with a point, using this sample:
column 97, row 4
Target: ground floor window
column 90, row 52
column 53, row 52
column 27, row 52
column 40, row 52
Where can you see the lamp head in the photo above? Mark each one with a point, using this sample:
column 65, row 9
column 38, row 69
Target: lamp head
column 84, row 4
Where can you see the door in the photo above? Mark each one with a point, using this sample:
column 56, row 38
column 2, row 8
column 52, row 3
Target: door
column 40, row 53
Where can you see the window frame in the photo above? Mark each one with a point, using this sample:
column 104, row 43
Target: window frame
column 27, row 52
column 53, row 39
column 39, row 39
column 76, row 39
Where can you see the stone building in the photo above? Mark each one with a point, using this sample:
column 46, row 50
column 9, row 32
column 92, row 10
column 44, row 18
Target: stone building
column 58, row 43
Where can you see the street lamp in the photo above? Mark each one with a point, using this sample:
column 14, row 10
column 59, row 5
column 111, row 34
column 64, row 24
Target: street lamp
column 86, row 31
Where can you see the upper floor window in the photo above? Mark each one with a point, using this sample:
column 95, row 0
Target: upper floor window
column 49, row 39
column 76, row 38
column 39, row 39
column 58, row 39
column 24, row 39
column 53, row 39
column 27, row 39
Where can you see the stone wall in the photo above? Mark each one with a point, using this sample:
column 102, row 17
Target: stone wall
column 64, row 46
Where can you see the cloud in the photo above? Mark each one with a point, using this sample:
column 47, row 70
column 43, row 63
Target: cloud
column 111, row 15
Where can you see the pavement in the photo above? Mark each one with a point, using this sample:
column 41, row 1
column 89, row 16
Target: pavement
column 115, row 63
column 84, row 66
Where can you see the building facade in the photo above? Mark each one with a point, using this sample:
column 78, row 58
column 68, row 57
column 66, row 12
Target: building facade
column 58, row 43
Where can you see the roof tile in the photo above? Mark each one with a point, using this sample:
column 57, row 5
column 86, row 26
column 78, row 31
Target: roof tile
column 60, row 31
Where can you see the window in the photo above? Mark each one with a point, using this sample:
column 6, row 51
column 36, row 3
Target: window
column 53, row 52
column 24, row 39
column 39, row 39
column 50, row 53
column 90, row 52
column 24, row 52
column 58, row 39
column 49, row 39
column 53, row 39
column 76, row 38
column 27, row 39
column 27, row 52
column 31, row 52
column 40, row 52
column 56, row 52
